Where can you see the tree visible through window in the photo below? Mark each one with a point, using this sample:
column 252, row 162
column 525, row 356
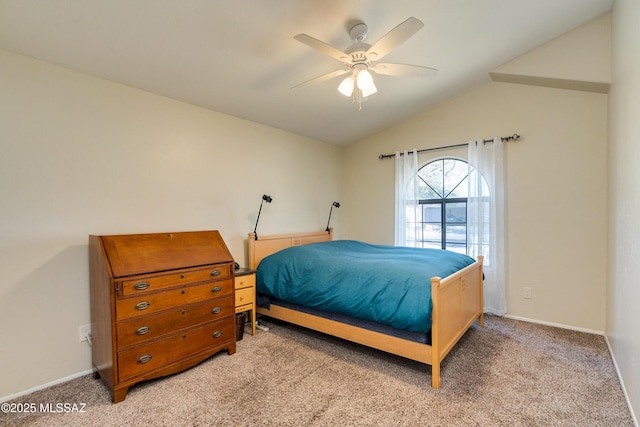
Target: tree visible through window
column 441, row 220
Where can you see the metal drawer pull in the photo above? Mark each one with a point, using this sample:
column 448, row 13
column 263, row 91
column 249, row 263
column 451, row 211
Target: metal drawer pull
column 142, row 330
column 216, row 310
column 217, row 334
column 141, row 286
column 144, row 358
column 143, row 305
column 216, row 289
column 216, row 272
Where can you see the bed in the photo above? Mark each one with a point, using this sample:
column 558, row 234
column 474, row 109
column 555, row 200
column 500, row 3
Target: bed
column 455, row 304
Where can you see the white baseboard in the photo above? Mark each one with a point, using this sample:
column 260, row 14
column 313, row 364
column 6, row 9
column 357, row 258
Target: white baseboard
column 606, row 339
column 624, row 390
column 557, row 325
column 47, row 385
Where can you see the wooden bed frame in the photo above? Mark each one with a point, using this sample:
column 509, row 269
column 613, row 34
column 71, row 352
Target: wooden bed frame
column 457, row 303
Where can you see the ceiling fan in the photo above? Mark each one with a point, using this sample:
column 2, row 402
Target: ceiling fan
column 360, row 59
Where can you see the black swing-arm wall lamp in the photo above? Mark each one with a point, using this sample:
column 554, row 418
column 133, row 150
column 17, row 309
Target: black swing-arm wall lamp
column 267, row 199
column 337, row 205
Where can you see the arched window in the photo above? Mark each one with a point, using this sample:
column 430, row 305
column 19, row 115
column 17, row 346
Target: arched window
column 441, row 220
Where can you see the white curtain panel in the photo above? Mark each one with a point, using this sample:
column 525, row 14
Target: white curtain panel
column 486, row 215
column 406, row 198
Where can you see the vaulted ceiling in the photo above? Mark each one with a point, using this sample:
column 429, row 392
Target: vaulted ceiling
column 240, row 58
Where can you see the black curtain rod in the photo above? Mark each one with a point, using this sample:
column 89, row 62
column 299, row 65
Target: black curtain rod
column 513, row 137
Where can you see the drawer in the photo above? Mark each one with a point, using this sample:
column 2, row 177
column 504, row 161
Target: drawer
column 145, row 328
column 174, row 297
column 245, row 281
column 245, row 296
column 154, row 282
column 159, row 354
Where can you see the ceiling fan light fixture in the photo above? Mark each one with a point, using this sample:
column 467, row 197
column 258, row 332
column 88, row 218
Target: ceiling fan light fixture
column 368, row 91
column 346, row 86
column 360, row 59
column 358, row 98
column 364, row 80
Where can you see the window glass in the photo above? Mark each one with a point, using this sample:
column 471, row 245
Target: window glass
column 441, row 222
column 443, row 178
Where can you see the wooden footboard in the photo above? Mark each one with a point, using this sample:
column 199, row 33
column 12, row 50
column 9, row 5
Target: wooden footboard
column 457, row 303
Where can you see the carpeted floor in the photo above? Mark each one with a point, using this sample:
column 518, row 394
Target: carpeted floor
column 509, row 373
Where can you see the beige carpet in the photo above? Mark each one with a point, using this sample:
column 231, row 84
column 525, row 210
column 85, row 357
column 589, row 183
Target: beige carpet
column 509, row 373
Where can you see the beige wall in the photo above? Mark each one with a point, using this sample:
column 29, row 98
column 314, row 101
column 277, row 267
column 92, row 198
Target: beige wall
column 623, row 296
column 556, row 190
column 81, row 156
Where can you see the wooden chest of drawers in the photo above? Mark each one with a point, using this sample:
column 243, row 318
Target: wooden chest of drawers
column 160, row 303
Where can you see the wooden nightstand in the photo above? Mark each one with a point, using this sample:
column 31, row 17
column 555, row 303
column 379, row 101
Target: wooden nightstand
column 245, row 287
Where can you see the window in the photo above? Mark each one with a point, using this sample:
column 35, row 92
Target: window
column 440, row 221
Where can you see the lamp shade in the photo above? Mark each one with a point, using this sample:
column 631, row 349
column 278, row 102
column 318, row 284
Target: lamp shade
column 364, row 80
column 346, row 86
column 369, row 90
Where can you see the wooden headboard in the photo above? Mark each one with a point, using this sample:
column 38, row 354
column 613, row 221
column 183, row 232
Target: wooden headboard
column 267, row 245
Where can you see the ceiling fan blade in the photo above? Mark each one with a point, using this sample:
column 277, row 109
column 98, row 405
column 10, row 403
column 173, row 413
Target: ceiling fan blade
column 395, row 38
column 322, row 78
column 322, row 47
column 403, row 70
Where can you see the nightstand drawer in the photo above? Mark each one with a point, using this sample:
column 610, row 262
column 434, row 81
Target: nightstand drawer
column 245, row 284
column 245, row 296
column 146, row 328
column 245, row 281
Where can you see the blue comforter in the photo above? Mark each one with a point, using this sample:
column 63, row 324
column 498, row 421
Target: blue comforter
column 384, row 284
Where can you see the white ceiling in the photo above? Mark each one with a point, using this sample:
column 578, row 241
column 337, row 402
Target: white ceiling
column 239, row 57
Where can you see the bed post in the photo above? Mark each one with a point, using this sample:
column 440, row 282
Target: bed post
column 251, row 248
column 435, row 347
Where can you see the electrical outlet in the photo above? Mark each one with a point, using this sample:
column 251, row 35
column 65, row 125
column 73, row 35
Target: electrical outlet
column 526, row 292
column 85, row 331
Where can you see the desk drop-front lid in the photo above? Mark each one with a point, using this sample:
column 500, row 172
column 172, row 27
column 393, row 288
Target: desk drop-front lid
column 145, row 253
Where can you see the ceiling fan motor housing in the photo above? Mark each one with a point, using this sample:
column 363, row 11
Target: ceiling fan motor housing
column 358, row 52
